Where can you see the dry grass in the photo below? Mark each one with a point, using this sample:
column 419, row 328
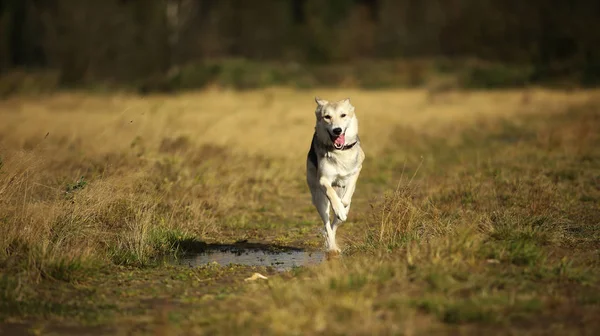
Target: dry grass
column 476, row 211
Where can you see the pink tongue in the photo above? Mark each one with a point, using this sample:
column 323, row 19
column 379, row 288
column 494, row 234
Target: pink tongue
column 340, row 140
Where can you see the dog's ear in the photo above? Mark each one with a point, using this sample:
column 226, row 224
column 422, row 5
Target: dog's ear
column 320, row 101
column 346, row 104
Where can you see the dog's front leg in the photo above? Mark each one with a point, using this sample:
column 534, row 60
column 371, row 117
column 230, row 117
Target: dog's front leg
column 336, row 202
column 350, row 188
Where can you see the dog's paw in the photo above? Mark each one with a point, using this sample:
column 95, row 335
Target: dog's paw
column 333, row 252
column 340, row 210
column 342, row 214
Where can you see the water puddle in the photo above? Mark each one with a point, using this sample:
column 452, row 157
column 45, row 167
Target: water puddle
column 280, row 258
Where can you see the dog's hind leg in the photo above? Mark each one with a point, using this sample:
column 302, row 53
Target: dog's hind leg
column 340, row 191
column 322, row 204
column 336, row 223
column 334, row 226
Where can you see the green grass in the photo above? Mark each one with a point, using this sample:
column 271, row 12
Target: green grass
column 438, row 75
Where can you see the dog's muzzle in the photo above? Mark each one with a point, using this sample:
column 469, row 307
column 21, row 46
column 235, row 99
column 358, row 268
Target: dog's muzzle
column 338, row 138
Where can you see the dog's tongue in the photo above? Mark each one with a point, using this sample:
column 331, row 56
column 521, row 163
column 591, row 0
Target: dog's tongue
column 340, row 140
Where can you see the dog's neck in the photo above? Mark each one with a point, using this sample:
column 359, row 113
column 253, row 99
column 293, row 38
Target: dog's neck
column 348, row 146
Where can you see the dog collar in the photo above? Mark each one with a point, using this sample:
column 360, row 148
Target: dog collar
column 346, row 147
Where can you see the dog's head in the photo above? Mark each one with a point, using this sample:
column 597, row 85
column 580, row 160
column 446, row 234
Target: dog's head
column 336, row 121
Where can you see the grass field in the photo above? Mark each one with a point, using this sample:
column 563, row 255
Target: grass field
column 476, row 213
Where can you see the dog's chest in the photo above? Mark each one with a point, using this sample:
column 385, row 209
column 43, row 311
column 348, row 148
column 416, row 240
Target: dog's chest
column 341, row 165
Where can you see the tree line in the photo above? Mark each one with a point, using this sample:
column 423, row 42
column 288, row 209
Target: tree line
column 128, row 39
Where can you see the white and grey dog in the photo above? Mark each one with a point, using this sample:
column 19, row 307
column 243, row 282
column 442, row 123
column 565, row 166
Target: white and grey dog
column 334, row 163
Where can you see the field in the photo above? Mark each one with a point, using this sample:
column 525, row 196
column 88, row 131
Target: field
column 477, row 212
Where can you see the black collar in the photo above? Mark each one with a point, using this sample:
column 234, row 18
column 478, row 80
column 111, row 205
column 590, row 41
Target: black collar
column 348, row 146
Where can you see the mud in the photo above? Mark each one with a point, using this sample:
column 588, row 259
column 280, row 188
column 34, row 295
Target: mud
column 279, row 257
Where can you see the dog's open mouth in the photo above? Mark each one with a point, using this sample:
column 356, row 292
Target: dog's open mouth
column 338, row 141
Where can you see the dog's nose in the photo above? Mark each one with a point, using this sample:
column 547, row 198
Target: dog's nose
column 337, row 131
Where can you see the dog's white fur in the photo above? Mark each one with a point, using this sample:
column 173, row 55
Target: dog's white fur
column 332, row 172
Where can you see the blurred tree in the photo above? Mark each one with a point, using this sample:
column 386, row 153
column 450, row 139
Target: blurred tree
column 20, row 33
column 125, row 40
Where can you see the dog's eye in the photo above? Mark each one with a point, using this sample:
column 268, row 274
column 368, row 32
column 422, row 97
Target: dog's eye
column 327, row 117
column 343, row 115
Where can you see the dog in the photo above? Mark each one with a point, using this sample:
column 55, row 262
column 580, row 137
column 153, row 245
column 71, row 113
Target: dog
column 333, row 164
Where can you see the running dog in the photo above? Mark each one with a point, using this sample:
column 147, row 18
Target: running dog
column 334, row 163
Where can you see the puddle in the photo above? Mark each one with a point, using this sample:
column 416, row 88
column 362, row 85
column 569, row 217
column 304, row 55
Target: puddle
column 280, row 258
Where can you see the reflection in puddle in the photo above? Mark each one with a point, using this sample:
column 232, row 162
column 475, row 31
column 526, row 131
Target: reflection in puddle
column 280, row 260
